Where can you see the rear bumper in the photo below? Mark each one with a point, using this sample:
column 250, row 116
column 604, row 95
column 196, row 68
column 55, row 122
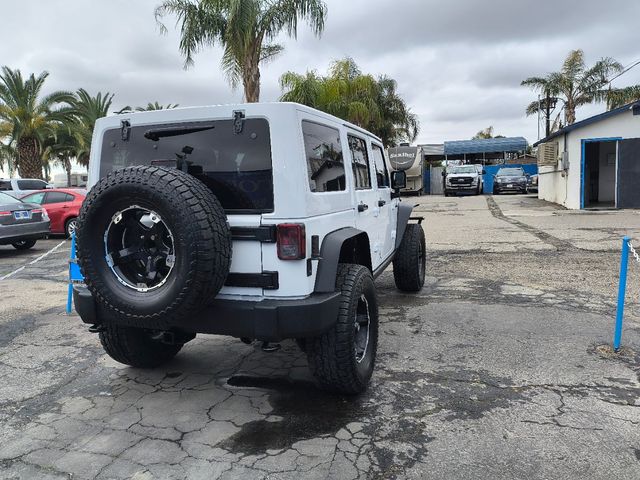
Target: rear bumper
column 266, row 320
column 26, row 231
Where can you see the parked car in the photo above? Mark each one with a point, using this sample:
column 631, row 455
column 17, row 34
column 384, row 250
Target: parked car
column 63, row 206
column 291, row 234
column 510, row 179
column 481, row 172
column 19, row 187
column 21, row 224
column 533, row 183
column 463, row 178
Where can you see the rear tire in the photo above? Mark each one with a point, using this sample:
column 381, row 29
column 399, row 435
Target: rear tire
column 24, row 244
column 342, row 359
column 409, row 263
column 136, row 347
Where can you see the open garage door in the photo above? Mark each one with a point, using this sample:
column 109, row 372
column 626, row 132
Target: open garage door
column 629, row 173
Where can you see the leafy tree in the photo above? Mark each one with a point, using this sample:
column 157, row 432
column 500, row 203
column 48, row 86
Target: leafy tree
column 150, row 107
column 246, row 29
column 574, row 85
column 76, row 133
column 617, row 97
column 359, row 98
column 27, row 118
column 486, row 133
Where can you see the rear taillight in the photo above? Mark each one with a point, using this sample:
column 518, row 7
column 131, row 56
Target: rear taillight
column 45, row 216
column 5, row 214
column 291, row 241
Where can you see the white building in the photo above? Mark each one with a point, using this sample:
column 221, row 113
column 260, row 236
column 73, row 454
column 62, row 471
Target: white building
column 593, row 163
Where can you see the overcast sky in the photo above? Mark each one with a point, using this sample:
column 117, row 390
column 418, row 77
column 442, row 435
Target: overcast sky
column 458, row 63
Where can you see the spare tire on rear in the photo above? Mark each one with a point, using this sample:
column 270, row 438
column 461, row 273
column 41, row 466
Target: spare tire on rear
column 154, row 246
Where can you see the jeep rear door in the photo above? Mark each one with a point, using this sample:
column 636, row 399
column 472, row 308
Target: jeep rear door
column 366, row 195
column 386, row 232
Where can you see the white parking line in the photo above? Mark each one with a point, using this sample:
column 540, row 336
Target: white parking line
column 32, row 262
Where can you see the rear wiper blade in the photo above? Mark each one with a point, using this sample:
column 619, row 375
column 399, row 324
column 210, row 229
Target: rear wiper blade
column 156, row 134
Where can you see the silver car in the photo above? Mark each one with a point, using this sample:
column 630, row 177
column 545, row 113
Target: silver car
column 21, row 224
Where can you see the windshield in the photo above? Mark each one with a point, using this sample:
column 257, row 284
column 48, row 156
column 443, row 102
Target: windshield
column 8, row 199
column 463, row 169
column 235, row 166
column 510, row 172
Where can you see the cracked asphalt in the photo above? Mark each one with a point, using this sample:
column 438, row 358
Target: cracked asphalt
column 499, row 368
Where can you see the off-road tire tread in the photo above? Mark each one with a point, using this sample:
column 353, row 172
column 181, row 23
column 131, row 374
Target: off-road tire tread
column 406, row 272
column 134, row 347
column 331, row 356
column 207, row 228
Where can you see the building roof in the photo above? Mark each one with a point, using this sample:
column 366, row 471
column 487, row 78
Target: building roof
column 634, row 106
column 485, row 145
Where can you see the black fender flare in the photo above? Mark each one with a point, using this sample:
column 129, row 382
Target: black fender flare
column 330, row 252
column 404, row 213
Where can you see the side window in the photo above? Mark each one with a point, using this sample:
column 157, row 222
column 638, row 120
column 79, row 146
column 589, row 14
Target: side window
column 325, row 162
column 5, row 185
column 56, row 197
column 31, row 185
column 34, row 198
column 382, row 174
column 360, row 163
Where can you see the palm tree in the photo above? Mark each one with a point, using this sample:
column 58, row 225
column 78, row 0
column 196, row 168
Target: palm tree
column 78, row 130
column 246, row 29
column 156, row 106
column 617, row 97
column 29, row 117
column 574, row 85
column 361, row 99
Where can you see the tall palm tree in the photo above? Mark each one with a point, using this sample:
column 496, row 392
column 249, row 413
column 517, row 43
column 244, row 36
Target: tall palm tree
column 30, row 117
column 246, row 29
column 78, row 130
column 361, row 99
column 575, row 84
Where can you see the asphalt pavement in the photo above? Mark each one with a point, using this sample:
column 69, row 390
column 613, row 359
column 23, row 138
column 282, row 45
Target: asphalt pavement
column 499, row 368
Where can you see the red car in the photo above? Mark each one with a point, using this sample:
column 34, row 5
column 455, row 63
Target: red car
column 62, row 205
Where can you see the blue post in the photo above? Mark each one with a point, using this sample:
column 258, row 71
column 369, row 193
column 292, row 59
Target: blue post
column 72, row 259
column 624, row 263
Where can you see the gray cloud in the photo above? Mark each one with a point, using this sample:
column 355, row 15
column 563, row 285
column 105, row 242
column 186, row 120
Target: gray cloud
column 458, row 64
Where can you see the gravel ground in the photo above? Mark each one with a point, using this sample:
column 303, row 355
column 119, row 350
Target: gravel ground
column 498, row 368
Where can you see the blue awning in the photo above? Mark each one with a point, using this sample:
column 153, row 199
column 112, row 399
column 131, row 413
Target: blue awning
column 488, row 145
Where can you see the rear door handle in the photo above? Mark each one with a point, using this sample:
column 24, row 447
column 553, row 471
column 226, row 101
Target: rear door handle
column 381, row 203
column 362, row 207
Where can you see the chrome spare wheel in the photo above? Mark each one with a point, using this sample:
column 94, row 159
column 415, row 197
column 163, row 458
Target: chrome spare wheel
column 139, row 248
column 361, row 324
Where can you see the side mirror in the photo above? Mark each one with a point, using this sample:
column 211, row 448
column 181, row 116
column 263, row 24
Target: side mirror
column 398, row 180
column 484, row 172
column 444, row 173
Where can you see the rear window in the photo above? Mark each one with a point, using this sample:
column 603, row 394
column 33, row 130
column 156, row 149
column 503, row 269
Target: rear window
column 8, row 199
column 235, row 166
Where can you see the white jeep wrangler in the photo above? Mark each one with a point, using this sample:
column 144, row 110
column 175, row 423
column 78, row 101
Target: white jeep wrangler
column 259, row 221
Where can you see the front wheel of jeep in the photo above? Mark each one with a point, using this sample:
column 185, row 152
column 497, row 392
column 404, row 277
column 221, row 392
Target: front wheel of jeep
column 136, row 347
column 343, row 358
column 409, row 263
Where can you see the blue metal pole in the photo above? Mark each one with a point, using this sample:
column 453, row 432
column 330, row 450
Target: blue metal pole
column 72, row 258
column 624, row 263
